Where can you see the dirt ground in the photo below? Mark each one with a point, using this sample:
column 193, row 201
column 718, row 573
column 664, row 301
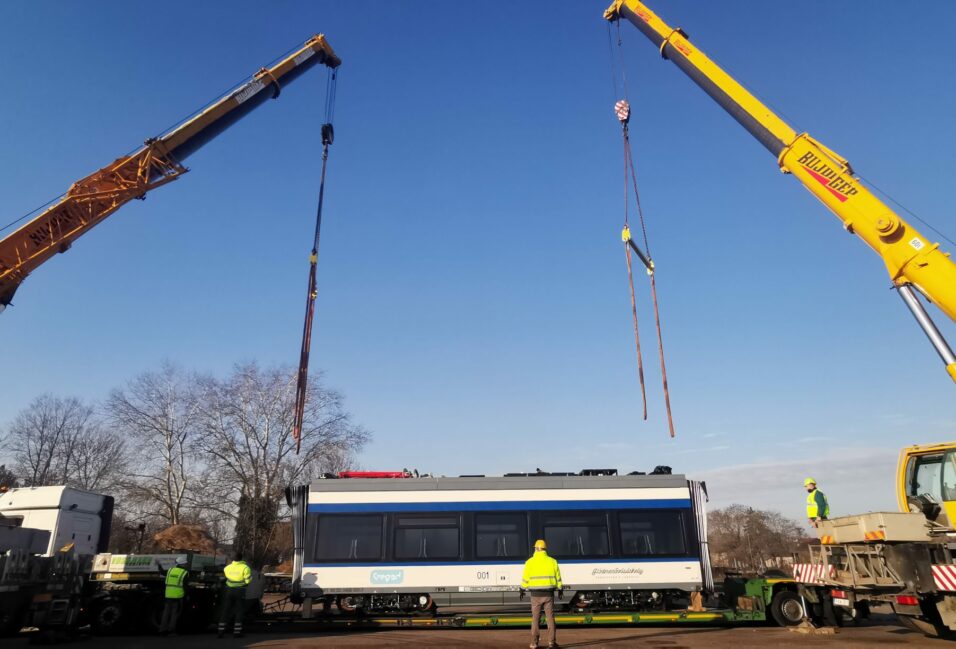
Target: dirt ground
column 880, row 631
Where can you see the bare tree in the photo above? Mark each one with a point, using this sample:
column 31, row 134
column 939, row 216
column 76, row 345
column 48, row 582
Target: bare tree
column 742, row 537
column 99, row 460
column 159, row 410
column 44, row 437
column 8, row 479
column 247, row 434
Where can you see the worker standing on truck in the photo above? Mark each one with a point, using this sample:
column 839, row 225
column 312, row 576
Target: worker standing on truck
column 542, row 577
column 238, row 576
column 818, row 509
column 175, row 592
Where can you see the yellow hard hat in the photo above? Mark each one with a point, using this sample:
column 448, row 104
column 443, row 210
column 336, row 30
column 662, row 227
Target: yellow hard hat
column 809, row 481
column 540, row 545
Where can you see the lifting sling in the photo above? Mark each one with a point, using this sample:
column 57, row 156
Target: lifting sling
column 623, row 111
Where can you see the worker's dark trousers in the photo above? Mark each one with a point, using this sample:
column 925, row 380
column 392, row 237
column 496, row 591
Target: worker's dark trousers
column 545, row 602
column 233, row 606
column 171, row 612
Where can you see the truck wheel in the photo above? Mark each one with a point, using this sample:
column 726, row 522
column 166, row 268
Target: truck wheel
column 107, row 616
column 786, row 608
column 927, row 628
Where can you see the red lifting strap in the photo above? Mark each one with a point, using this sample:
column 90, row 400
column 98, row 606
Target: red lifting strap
column 622, row 110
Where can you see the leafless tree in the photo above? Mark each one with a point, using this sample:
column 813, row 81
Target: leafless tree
column 247, row 430
column 8, row 479
column 158, row 412
column 43, row 439
column 60, row 441
column 99, row 460
column 753, row 539
column 247, row 435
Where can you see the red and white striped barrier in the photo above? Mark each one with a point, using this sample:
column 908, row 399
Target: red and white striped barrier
column 945, row 576
column 811, row 573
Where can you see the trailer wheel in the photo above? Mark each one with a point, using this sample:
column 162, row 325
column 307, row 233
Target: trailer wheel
column 786, row 608
column 350, row 604
column 107, row 616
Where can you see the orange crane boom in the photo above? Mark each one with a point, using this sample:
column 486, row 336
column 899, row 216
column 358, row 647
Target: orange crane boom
column 91, row 200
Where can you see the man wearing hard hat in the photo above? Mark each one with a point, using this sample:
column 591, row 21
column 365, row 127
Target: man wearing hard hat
column 818, row 509
column 175, row 592
column 541, row 577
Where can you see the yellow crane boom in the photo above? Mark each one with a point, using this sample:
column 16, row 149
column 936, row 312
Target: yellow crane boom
column 911, row 259
column 91, row 200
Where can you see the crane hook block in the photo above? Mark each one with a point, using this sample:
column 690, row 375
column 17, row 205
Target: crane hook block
column 623, row 111
column 328, row 134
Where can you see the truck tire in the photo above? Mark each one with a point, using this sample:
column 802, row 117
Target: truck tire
column 107, row 616
column 927, row 628
column 786, row 608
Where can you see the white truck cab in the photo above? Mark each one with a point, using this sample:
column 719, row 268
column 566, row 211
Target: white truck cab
column 82, row 518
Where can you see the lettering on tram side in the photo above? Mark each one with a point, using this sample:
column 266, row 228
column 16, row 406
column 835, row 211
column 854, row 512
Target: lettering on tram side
column 387, row 577
column 827, row 176
column 616, row 573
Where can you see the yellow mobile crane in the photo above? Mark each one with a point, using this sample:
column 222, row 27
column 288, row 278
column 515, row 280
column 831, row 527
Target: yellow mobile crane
column 911, row 259
column 91, row 200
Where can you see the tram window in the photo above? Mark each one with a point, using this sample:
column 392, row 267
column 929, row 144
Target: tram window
column 646, row 533
column 426, row 538
column 343, row 537
column 501, row 536
column 576, row 535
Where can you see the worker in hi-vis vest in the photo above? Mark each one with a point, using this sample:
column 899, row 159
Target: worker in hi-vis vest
column 541, row 577
column 238, row 576
column 175, row 592
column 818, row 509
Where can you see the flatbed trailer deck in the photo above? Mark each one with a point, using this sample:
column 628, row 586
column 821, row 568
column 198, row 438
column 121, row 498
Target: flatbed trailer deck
column 475, row 620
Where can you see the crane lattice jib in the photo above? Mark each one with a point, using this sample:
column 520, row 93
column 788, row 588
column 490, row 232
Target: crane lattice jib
column 90, row 200
column 910, row 258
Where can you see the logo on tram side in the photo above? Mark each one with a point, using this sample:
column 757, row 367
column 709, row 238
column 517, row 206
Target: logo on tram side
column 387, row 577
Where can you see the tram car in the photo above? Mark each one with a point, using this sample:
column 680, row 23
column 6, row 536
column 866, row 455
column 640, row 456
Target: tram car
column 405, row 544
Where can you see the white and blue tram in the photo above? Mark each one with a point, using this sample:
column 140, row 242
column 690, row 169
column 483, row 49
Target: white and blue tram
column 393, row 545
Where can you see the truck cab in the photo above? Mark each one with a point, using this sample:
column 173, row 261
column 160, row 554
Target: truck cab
column 926, row 481
column 71, row 516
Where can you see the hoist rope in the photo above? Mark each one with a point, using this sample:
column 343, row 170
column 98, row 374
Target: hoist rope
column 302, row 379
column 623, row 109
column 629, row 170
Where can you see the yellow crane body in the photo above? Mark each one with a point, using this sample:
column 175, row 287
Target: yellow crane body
column 910, row 258
column 91, row 200
column 926, row 481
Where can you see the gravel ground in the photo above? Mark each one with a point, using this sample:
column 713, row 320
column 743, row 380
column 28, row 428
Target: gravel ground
column 880, row 631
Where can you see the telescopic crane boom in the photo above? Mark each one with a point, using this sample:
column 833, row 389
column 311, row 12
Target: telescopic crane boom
column 911, row 259
column 90, row 200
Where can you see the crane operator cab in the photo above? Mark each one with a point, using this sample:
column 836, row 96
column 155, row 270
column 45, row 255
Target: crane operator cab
column 926, row 481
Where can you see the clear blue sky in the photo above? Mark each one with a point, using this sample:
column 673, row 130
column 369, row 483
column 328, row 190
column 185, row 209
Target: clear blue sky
column 473, row 298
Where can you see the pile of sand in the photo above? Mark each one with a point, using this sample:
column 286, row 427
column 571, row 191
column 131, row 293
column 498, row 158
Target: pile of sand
column 185, row 538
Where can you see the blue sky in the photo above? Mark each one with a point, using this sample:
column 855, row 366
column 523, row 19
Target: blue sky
column 473, row 299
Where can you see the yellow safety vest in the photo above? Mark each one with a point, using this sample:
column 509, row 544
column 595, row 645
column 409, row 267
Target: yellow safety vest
column 238, row 574
column 541, row 572
column 813, row 510
column 175, row 578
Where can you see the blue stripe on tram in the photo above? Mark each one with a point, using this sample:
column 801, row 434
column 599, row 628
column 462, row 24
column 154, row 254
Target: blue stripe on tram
column 493, row 506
